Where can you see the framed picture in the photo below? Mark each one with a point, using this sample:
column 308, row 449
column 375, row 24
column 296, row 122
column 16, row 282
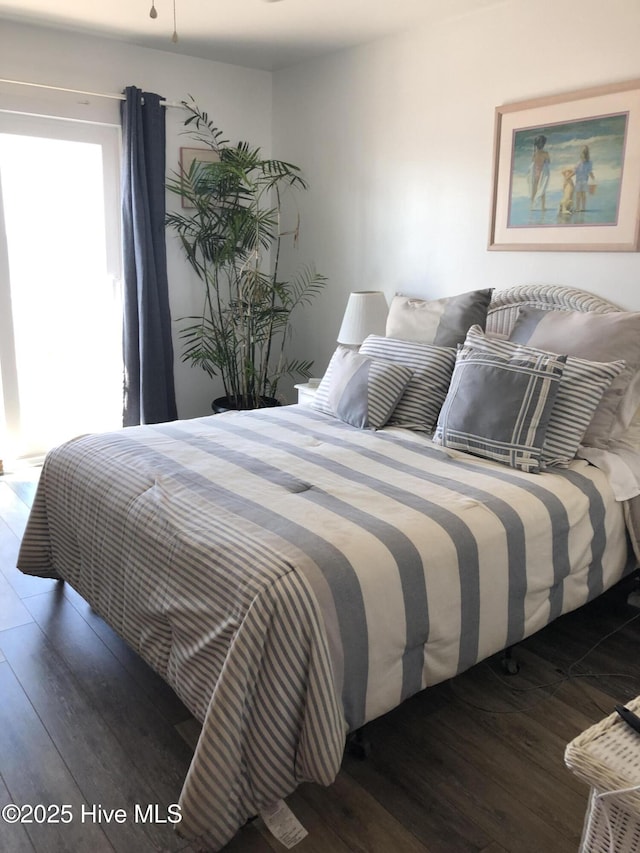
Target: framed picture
column 198, row 155
column 566, row 172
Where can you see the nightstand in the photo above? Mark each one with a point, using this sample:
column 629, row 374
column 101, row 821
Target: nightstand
column 307, row 391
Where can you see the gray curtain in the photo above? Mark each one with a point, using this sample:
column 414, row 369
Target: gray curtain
column 149, row 393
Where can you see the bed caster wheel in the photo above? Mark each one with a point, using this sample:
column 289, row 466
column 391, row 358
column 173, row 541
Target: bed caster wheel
column 510, row 666
column 358, row 746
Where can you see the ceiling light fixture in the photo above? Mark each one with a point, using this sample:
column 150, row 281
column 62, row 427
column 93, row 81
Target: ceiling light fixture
column 153, row 13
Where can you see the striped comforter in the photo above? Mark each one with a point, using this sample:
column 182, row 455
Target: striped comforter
column 293, row 577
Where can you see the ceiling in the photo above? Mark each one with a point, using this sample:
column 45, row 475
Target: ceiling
column 268, row 34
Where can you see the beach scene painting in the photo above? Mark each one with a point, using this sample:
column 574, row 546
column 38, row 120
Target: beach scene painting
column 567, row 174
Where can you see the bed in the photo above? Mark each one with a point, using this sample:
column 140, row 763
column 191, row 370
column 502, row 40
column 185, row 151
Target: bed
column 293, row 577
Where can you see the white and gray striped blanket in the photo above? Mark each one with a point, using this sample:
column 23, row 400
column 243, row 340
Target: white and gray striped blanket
column 293, row 577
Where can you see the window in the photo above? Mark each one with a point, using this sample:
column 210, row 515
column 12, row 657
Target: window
column 60, row 305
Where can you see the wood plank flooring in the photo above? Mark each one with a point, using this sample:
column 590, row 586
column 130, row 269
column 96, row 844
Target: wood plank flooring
column 474, row 765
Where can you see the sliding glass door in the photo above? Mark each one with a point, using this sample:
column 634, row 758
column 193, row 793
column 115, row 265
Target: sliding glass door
column 60, row 310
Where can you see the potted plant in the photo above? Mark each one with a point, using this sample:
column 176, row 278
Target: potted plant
column 231, row 230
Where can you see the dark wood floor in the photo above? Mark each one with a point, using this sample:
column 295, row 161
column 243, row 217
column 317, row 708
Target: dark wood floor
column 475, row 764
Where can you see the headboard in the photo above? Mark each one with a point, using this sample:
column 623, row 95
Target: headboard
column 504, row 306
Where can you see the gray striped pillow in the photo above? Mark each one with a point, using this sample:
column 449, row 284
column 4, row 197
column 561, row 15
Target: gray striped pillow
column 359, row 390
column 613, row 336
column 581, row 388
column 431, row 369
column 499, row 408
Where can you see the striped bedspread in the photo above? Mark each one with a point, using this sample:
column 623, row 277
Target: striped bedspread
column 293, row 577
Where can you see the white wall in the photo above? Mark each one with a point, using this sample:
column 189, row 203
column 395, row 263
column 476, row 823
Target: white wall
column 237, row 99
column 396, row 140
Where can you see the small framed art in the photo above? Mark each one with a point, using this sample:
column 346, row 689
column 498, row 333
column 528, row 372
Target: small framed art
column 566, row 172
column 189, row 156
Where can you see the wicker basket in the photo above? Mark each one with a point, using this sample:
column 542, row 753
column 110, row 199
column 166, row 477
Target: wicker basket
column 607, row 757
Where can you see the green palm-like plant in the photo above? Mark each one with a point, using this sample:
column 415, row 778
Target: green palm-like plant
column 231, row 235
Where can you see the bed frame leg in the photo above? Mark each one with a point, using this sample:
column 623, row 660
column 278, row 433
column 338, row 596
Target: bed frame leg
column 509, row 664
column 357, row 745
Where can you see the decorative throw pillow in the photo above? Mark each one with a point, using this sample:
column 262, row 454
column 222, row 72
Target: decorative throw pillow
column 443, row 322
column 597, row 337
column 581, row 388
column 431, row 368
column 499, row 408
column 359, row 390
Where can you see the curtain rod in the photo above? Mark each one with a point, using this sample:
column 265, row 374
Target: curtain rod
column 78, row 91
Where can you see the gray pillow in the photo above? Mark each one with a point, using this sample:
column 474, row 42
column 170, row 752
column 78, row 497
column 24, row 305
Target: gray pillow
column 499, row 408
column 597, row 337
column 359, row 390
column 443, row 322
column 431, row 368
column 581, row 388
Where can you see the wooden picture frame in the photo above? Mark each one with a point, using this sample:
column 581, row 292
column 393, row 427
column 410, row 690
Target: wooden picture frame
column 566, row 172
column 187, row 158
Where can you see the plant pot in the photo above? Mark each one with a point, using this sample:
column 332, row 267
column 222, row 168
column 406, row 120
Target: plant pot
column 226, row 404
